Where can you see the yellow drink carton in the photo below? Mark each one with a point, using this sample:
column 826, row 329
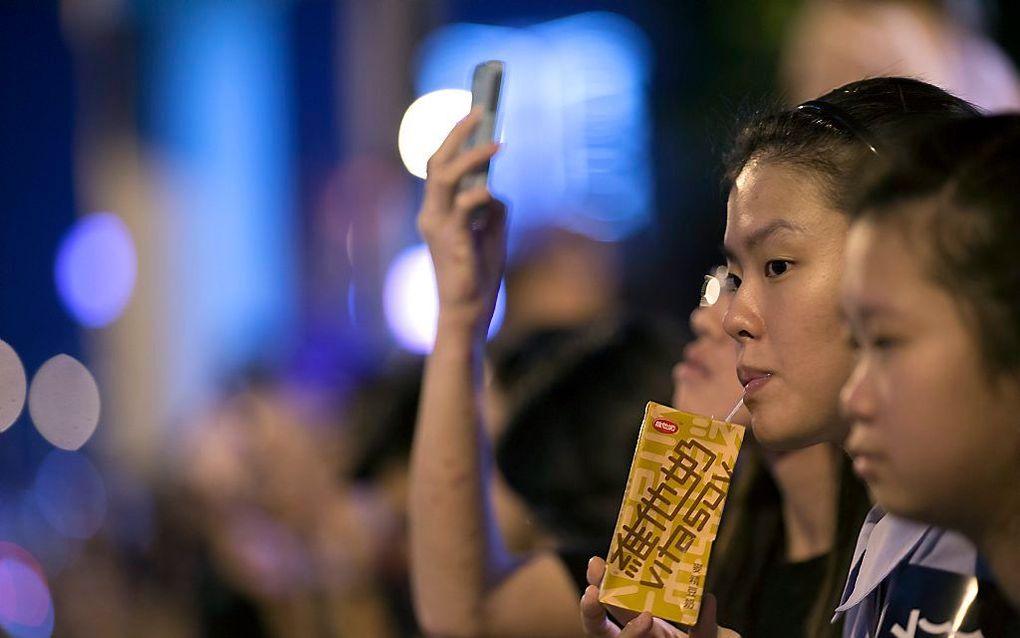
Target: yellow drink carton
column 675, row 495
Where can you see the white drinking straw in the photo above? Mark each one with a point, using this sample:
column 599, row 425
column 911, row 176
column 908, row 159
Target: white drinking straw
column 736, row 408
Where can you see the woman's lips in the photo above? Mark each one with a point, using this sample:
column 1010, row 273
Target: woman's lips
column 865, row 465
column 689, row 368
column 752, row 380
column 865, row 458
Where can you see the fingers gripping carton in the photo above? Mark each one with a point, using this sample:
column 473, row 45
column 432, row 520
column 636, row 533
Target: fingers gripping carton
column 675, row 495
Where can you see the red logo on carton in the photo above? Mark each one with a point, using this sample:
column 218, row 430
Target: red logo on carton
column 664, row 426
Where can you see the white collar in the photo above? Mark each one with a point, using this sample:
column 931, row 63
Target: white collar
column 884, row 542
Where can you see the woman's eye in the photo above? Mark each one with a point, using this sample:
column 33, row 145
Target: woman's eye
column 731, row 283
column 776, row 267
column 876, row 342
column 882, row 342
column 852, row 341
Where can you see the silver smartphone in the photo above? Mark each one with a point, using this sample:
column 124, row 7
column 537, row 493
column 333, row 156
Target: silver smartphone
column 486, row 83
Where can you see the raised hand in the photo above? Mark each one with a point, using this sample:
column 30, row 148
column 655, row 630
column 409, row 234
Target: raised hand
column 465, row 232
column 465, row 582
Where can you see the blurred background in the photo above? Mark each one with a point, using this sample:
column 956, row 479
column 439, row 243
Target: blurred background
column 214, row 300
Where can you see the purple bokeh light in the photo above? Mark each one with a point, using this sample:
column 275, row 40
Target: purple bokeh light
column 26, row 607
column 96, row 269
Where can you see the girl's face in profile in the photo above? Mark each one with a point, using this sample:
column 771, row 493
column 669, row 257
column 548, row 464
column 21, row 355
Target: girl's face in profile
column 784, row 246
column 705, row 380
column 934, row 433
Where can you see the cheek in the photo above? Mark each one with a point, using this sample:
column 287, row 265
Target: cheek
column 808, row 339
column 930, row 478
column 934, row 422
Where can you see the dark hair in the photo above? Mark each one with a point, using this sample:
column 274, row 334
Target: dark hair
column 575, row 418
column 966, row 172
column 380, row 418
column 829, row 142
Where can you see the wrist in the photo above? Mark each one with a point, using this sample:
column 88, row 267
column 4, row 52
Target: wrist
column 465, row 323
column 458, row 341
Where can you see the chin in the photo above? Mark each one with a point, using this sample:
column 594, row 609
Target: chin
column 899, row 504
column 777, row 435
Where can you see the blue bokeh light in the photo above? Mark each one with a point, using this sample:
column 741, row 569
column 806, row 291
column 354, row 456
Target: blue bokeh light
column 70, row 494
column 220, row 109
column 575, row 118
column 411, row 302
column 96, row 268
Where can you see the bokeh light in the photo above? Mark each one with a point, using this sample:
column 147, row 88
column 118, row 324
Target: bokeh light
column 70, row 494
column 411, row 301
column 219, row 111
column 713, row 287
column 426, row 123
column 13, row 385
column 96, row 268
column 63, row 401
column 26, row 607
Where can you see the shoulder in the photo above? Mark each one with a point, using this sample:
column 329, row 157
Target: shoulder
column 886, row 544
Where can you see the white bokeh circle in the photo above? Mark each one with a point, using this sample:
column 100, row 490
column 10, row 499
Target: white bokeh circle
column 426, row 123
column 13, row 385
column 64, row 402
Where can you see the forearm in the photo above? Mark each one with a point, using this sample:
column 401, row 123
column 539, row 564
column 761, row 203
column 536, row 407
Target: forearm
column 455, row 550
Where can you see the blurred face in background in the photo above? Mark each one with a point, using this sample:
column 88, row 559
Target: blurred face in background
column 705, row 380
column 832, row 42
column 935, row 433
column 784, row 245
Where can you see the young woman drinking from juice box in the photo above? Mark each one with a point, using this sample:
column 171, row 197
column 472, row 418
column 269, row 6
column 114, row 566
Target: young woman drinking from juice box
column 932, row 296
column 790, row 175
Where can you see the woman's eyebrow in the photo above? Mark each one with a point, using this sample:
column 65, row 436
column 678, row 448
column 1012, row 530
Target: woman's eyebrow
column 868, row 310
column 759, row 235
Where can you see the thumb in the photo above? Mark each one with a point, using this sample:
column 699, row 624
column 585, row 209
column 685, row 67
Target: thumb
column 640, row 626
column 594, row 619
